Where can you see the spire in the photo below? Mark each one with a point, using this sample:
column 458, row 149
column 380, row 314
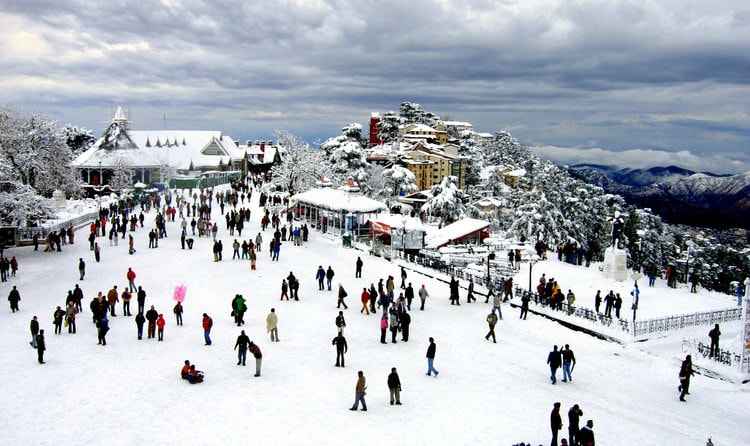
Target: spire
column 120, row 118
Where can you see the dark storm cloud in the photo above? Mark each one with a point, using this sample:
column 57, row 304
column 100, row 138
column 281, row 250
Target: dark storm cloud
column 668, row 74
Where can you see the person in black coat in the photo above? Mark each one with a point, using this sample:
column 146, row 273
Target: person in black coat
column 405, row 320
column 555, row 422
column 329, row 277
column 470, row 294
column 341, row 348
column 342, row 295
column 340, row 322
column 358, row 270
column 409, row 294
column 40, row 346
column 139, row 321
column 686, row 371
column 554, row 361
column 714, row 335
column 34, row 328
column 574, row 417
column 241, row 346
column 373, row 298
column 141, row 299
column 431, row 358
column 14, row 297
column 524, row 306
column 78, row 298
column 454, row 292
column 57, row 319
column 394, row 387
column 151, row 316
column 81, row 268
column 586, row 435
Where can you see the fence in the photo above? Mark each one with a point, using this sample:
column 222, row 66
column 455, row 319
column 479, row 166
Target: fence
column 580, row 312
column 671, row 323
column 26, row 234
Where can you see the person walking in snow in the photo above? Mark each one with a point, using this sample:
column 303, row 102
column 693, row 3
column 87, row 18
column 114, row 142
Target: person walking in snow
column 329, row 277
column 272, row 322
column 423, row 295
column 70, row 317
column 151, row 317
column 618, row 305
column 340, row 322
column 686, row 371
column 178, row 310
column 241, row 346
column 497, row 301
column 568, row 363
column 393, row 325
column 207, row 324
column 383, row 327
column 403, row 277
column 320, row 275
column 160, row 323
column 405, row 322
column 394, row 387
column 525, row 298
column 342, row 295
column 102, row 329
column 365, row 297
column 141, row 300
column 360, row 392
column 597, row 301
column 284, row 289
column 714, row 335
column 41, row 347
column 553, row 359
column 409, row 294
column 574, row 417
column 57, row 320
column 431, row 350
column 34, row 328
column 555, row 421
column 470, row 294
column 139, row 321
column 358, row 268
column 341, row 348
column 255, row 351
column 131, row 280
column 14, row 297
column 126, row 296
column 454, row 291
column 491, row 321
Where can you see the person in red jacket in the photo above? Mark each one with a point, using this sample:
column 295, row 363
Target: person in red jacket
column 365, row 299
column 131, row 280
column 160, row 326
column 185, row 370
column 207, row 324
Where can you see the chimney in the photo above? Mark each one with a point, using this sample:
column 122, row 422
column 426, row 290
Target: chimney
column 263, row 146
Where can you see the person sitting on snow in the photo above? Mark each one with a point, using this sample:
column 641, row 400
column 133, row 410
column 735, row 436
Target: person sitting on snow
column 194, row 376
column 185, row 370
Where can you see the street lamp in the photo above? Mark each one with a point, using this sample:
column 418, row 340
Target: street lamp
column 490, row 256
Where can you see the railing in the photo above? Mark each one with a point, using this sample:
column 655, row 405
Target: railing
column 671, row 323
column 579, row 312
column 26, row 234
column 722, row 356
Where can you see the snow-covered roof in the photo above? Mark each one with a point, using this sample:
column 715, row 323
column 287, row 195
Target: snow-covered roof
column 152, row 148
column 339, row 200
column 455, row 231
column 516, row 172
column 418, row 128
column 457, row 124
column 401, row 221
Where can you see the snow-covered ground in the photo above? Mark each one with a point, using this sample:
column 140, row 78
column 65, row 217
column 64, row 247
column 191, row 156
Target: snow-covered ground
column 76, row 208
column 129, row 392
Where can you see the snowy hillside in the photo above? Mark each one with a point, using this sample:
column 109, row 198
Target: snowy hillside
column 486, row 394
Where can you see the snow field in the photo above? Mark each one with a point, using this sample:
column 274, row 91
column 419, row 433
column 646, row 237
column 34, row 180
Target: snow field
column 130, row 391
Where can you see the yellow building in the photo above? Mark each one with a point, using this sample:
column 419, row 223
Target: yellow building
column 440, row 161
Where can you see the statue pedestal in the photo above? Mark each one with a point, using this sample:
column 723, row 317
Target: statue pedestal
column 616, row 264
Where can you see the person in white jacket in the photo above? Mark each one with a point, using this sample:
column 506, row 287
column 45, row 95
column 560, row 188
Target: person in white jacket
column 272, row 322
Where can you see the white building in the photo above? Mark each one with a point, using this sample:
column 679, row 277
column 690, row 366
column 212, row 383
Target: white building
column 154, row 155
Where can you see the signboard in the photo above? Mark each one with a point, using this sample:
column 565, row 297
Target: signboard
column 745, row 347
column 404, row 240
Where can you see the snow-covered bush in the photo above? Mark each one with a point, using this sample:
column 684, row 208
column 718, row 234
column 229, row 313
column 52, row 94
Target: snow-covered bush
column 446, row 201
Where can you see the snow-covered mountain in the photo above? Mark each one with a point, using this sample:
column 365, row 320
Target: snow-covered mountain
column 679, row 195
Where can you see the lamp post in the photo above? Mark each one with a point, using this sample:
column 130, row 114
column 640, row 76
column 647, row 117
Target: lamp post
column 490, row 256
column 689, row 250
column 533, row 258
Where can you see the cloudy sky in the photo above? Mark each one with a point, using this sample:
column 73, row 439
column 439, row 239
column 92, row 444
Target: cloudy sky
column 639, row 82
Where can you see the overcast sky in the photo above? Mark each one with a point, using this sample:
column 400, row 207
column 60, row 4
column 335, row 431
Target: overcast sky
column 645, row 79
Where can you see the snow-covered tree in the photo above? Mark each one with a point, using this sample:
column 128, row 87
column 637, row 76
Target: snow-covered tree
column 21, row 205
column 446, row 201
column 122, row 174
column 301, row 166
column 346, row 153
column 79, row 139
column 398, row 181
column 34, row 152
column 388, row 127
column 474, row 155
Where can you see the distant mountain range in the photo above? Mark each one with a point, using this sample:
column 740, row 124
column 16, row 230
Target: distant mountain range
column 679, row 195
